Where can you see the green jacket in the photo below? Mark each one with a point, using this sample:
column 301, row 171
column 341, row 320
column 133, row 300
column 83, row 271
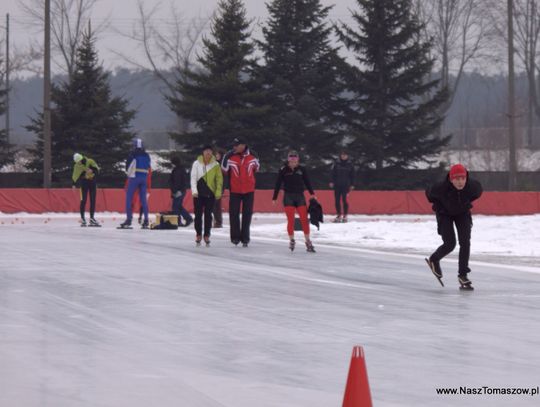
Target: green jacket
column 206, row 180
column 80, row 170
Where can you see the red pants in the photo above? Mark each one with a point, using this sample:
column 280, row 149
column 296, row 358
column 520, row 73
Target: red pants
column 302, row 212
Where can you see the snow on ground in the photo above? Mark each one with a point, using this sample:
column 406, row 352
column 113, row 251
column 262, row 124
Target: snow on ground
column 499, row 236
column 516, row 236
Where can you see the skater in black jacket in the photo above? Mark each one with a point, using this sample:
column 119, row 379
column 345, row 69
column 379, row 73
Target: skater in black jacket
column 295, row 180
column 178, row 183
column 342, row 183
column 452, row 202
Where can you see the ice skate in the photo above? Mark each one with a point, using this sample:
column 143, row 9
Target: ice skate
column 338, row 219
column 344, row 219
column 94, row 223
column 465, row 283
column 145, row 225
column 83, row 222
column 207, row 241
column 125, row 225
column 435, row 269
column 292, row 243
column 198, row 240
column 245, row 244
column 309, row 247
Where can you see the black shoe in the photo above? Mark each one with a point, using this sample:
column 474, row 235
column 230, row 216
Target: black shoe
column 435, row 267
column 465, row 283
column 245, row 244
column 188, row 222
column 235, row 242
column 125, row 224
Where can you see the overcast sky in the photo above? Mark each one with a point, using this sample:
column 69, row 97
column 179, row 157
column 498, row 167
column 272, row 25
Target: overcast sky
column 122, row 15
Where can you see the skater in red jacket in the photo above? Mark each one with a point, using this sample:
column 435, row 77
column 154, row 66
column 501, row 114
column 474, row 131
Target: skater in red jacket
column 240, row 164
column 295, row 180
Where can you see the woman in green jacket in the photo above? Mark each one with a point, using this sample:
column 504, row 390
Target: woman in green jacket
column 206, row 187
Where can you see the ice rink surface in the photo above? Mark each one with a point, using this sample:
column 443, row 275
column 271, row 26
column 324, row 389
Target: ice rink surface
column 101, row 317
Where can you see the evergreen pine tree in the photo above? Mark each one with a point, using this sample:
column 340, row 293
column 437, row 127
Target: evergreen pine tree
column 221, row 98
column 6, row 156
column 302, row 74
column 395, row 107
column 85, row 118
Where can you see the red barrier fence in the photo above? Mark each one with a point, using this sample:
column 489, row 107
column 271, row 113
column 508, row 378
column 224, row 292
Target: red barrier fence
column 361, row 202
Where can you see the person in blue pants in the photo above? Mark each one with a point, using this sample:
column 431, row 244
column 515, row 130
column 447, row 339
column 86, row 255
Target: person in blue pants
column 138, row 165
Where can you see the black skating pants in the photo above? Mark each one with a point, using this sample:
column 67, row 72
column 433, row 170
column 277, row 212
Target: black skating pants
column 340, row 194
column 445, row 228
column 88, row 187
column 203, row 206
column 240, row 233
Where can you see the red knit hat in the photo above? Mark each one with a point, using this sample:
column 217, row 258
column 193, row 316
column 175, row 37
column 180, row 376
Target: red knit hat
column 457, row 170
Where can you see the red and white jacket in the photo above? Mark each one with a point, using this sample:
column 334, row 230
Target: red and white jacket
column 241, row 169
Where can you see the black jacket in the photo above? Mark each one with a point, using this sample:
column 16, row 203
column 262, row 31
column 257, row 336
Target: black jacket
column 178, row 180
column 343, row 174
column 447, row 200
column 294, row 181
column 315, row 213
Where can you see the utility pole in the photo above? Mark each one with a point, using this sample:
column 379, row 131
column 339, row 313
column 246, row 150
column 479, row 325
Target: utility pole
column 512, row 163
column 7, row 80
column 47, row 99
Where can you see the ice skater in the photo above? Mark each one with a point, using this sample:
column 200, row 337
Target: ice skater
column 137, row 167
column 452, row 202
column 84, row 175
column 295, row 180
column 342, row 183
column 178, row 186
column 240, row 164
column 206, row 187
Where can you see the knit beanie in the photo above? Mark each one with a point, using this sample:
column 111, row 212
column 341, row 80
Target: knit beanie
column 457, row 170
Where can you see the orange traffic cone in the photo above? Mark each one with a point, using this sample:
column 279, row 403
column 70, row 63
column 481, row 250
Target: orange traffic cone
column 357, row 392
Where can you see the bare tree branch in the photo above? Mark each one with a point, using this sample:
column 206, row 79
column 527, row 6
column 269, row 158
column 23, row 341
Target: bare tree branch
column 68, row 21
column 167, row 44
column 459, row 31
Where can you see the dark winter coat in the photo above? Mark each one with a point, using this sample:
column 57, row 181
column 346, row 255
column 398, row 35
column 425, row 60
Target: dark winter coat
column 315, row 213
column 294, row 180
column 178, row 181
column 343, row 174
column 447, row 200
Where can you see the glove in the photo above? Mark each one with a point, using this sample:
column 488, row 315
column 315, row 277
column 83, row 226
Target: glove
column 177, row 194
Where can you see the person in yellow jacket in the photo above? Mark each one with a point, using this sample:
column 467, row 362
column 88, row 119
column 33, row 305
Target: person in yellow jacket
column 84, row 175
column 206, row 187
